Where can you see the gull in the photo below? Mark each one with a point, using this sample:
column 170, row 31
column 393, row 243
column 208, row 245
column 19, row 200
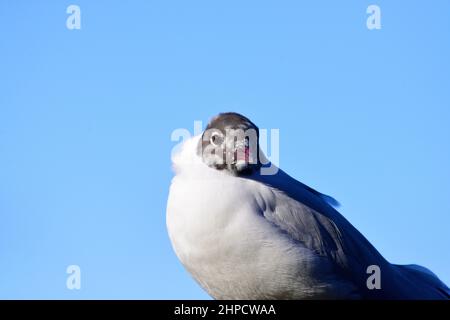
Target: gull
column 243, row 234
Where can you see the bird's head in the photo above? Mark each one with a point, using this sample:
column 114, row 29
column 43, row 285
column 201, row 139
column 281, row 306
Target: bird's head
column 230, row 142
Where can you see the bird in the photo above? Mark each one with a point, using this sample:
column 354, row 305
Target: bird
column 245, row 234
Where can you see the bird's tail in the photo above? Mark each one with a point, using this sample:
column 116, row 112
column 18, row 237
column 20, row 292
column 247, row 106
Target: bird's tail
column 429, row 285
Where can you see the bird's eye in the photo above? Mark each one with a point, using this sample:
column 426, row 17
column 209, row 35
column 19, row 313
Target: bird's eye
column 216, row 139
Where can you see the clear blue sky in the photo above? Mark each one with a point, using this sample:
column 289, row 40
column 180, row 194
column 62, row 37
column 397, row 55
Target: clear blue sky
column 86, row 117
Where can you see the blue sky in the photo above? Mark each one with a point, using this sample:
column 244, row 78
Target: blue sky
column 86, row 117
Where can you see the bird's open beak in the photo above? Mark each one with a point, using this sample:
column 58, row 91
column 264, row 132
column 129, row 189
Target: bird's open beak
column 242, row 154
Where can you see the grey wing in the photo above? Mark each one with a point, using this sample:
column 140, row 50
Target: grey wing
column 306, row 216
column 343, row 245
column 316, row 231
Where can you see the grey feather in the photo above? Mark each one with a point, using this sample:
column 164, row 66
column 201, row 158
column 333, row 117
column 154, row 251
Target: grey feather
column 312, row 221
